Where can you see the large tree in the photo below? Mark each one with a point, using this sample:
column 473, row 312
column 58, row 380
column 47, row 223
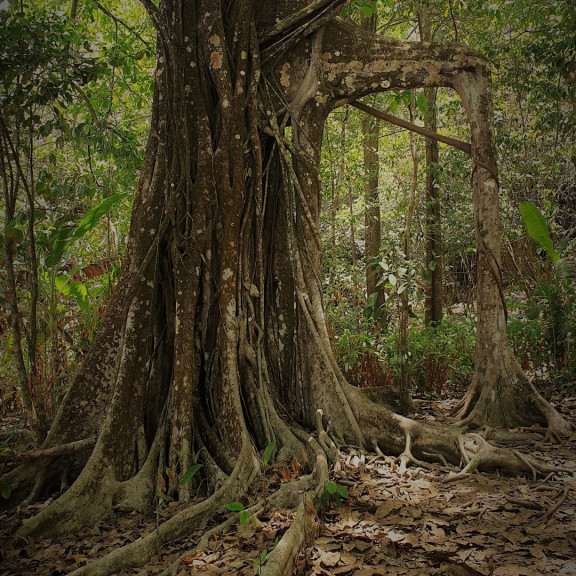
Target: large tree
column 215, row 337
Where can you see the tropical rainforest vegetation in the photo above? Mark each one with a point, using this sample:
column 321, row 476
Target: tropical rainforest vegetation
column 227, row 225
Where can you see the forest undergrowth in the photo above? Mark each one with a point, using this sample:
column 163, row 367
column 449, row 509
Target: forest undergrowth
column 377, row 520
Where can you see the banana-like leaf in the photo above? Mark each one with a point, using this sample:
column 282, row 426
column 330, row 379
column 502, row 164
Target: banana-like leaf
column 64, row 236
column 537, row 229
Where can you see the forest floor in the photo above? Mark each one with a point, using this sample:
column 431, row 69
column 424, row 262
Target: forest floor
column 415, row 523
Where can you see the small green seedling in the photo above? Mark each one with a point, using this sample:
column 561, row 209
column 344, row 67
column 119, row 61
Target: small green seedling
column 262, row 558
column 333, row 493
column 244, row 515
column 267, row 454
column 187, row 476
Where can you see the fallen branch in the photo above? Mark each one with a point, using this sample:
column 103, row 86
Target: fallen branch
column 62, row 450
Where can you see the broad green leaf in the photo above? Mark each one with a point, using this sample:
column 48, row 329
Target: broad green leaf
column 63, row 237
column 93, row 215
column 235, row 506
column 421, row 102
column 392, row 279
column 243, row 516
column 268, row 453
column 537, row 229
column 189, row 473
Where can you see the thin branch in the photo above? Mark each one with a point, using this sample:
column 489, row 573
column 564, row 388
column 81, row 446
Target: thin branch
column 464, row 146
column 122, row 23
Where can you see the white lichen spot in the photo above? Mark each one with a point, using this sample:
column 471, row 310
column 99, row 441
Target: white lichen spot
column 161, row 59
column 385, row 84
column 188, row 49
column 227, row 274
column 152, row 231
column 192, row 64
column 225, row 103
column 186, row 39
column 237, row 136
column 215, row 40
column 142, row 229
column 150, row 284
column 337, row 53
column 243, row 55
column 177, row 325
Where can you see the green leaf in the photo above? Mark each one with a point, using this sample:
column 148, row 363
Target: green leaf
column 244, row 516
column 421, row 102
column 5, row 489
column 188, row 474
column 92, row 216
column 331, row 487
column 63, row 236
column 268, row 453
column 324, row 499
column 537, row 229
column 235, row 506
column 341, row 491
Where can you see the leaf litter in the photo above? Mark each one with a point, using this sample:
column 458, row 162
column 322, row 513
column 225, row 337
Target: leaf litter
column 393, row 523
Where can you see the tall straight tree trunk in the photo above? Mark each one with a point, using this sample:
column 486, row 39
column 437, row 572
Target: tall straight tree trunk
column 372, row 222
column 433, row 217
column 405, row 380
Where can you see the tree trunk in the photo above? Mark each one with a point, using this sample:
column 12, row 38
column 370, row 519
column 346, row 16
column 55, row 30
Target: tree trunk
column 217, row 325
column 372, row 222
column 433, row 218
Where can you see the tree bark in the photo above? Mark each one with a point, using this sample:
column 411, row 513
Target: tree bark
column 433, row 219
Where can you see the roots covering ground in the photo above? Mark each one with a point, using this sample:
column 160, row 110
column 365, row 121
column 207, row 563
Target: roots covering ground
column 394, row 521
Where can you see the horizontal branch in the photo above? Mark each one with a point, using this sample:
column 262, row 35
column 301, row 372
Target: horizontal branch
column 61, row 450
column 464, row 146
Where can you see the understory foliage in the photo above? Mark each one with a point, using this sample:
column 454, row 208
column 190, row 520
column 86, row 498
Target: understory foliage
column 74, row 99
column 533, row 55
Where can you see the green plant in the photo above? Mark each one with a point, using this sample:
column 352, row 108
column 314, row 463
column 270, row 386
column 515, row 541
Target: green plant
column 244, row 515
column 5, row 489
column 333, row 493
column 553, row 299
column 262, row 558
column 267, row 454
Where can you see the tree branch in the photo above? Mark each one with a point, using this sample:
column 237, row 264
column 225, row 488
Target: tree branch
column 464, row 146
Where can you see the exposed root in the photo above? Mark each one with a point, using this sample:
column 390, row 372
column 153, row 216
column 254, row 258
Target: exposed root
column 480, row 455
column 69, row 448
column 139, row 552
column 304, row 527
column 407, row 457
column 327, row 443
column 559, row 503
